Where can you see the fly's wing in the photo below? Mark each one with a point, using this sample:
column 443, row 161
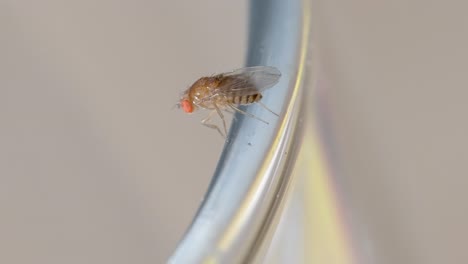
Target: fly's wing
column 247, row 81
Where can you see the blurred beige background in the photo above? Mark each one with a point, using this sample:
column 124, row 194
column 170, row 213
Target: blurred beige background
column 95, row 164
column 395, row 73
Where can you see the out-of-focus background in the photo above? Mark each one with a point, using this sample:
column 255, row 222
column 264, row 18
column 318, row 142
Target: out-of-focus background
column 395, row 77
column 96, row 166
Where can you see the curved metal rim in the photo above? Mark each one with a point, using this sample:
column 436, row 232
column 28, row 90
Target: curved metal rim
column 250, row 183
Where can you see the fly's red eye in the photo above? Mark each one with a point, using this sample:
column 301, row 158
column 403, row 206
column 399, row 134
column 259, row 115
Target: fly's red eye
column 186, row 106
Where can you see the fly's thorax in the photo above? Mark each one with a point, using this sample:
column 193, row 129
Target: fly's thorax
column 202, row 89
column 215, row 101
column 201, row 93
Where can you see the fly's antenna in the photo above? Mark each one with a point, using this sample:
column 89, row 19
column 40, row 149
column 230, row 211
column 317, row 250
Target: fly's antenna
column 176, row 105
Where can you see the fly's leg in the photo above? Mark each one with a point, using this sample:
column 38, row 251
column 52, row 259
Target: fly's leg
column 247, row 114
column 229, row 111
column 222, row 118
column 232, row 112
column 207, row 119
column 268, row 109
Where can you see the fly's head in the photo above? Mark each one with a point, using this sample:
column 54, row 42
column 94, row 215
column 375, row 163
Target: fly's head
column 187, row 104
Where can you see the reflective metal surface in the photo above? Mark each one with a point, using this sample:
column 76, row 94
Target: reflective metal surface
column 248, row 189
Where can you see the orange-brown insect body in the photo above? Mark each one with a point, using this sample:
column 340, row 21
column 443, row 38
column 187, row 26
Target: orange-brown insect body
column 228, row 90
column 201, row 93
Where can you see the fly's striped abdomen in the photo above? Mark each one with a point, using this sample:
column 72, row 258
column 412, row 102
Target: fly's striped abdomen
column 245, row 99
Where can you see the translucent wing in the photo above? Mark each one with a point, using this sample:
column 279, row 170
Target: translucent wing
column 247, row 81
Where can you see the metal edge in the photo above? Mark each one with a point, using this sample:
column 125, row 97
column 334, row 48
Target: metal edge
column 251, row 179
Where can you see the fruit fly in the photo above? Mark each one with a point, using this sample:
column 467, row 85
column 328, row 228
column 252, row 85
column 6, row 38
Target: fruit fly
column 226, row 91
